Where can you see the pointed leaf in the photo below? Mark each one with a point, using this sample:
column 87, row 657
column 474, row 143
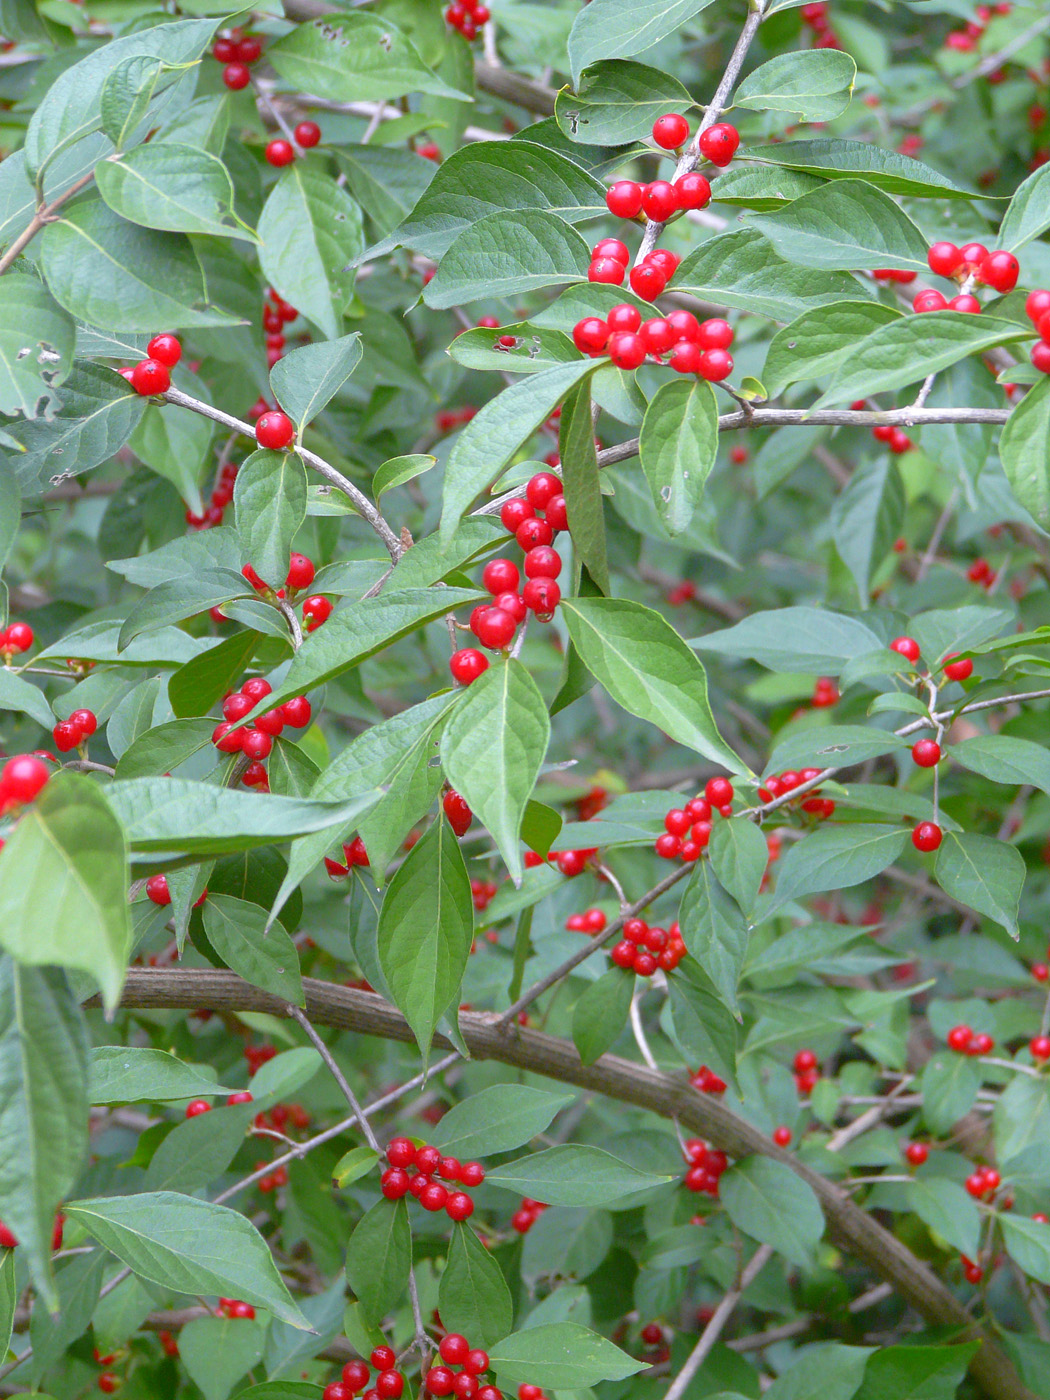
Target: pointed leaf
column 305, row 379
column 846, row 224
column 677, row 447
column 264, row 956
column 766, row 1200
column 984, row 873
column 164, row 185
column 379, row 1257
column 497, row 1119
column 269, row 501
column 473, row 1297
column 715, row 931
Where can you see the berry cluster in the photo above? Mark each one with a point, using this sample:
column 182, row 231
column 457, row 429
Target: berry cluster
column 705, row 1081
column 389, row 1382
column 526, row 1215
column 1037, row 307
column 300, row 575
column 107, row 1382
column 235, row 1307
column 455, row 1350
column 21, row 780
column 258, row 1055
column 238, row 52
column 482, row 893
column 687, row 830
column 815, row 17
column 277, row 313
column 980, row 571
column 221, row 496
column 272, row 1180
column 965, row 39
column 280, row 151
column 807, row 1071
column 14, row 638
column 683, row 592
column 424, row 1163
column 777, row 784
column 72, row 732
column 467, row 16
column 678, row 339
column 966, row 1041
column 591, row 921
column 825, row 693
column 153, row 374
column 970, row 265
column 643, row 949
column 706, row 1165
column 896, row 439
column 353, row 854
column 983, row 1183
column 255, row 740
column 157, row 892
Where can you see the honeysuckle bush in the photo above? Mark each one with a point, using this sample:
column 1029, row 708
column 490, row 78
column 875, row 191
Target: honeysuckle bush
column 526, row 796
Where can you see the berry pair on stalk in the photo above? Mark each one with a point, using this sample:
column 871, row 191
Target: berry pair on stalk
column 280, row 151
column 153, row 374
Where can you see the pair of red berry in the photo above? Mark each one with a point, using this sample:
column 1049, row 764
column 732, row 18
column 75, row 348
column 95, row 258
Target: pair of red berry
column 591, row 921
column 825, row 693
column 70, row 733
column 14, row 638
column 706, row 1167
column 1037, row 307
column 280, row 152
column 235, row 1307
column 966, row 1041
column 153, row 374
column 9, row 1241
column 196, row 1107
column 526, row 1215
column 705, row 1081
column 807, row 1071
column 643, row 950
column 389, row 1382
column 983, row 1183
column 354, row 854
column 300, row 575
column 238, row 52
column 413, row 1168
column 157, row 892
column 467, row 16
column 648, row 278
column 455, row 1350
column 896, row 439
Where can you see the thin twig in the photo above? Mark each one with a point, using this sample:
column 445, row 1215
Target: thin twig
column 337, row 1075
column 711, row 1333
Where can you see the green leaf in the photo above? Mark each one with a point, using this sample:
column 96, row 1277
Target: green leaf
column 197, row 1151
column 836, row 857
column 1003, row 759
column 983, row 873
column 581, row 484
column 358, row 53
column 814, row 344
column 36, row 347
column 108, row 271
column 816, row 85
column 176, row 188
column 703, row 1026
column 19, row 694
column 1028, row 213
column 98, row 412
column 505, row 254
column 166, row 814
column 560, row 1356
column 189, row 1246
column 387, row 182
column 600, row 1015
column 78, row 1282
column 677, row 447
column 949, row 1087
column 834, row 746
column 807, row 946
column 574, row 1175
column 1028, row 1244
column 473, row 1297
column 835, row 159
column 866, row 520
column 162, row 749
column 537, row 348
column 497, row 432
column 497, row 1119
column 310, row 230
column 647, row 669
column 823, row 1372
column 540, row 827
column 739, row 856
column 766, row 1200
column 715, row 931
column 742, row 269
column 1024, row 447
column 177, row 446
column 398, row 470
column 846, row 224
column 353, row 1165
column 196, row 686
column 919, row 1372
column 305, row 379
column 10, row 510
column 810, row 641
column 379, row 1258
column 63, row 885
column 180, row 599
column 426, row 926
column 43, row 1105
column 352, row 635
column 910, row 348
column 126, row 95
column 8, row 1299
column 623, row 28
column 135, row 1074
column 949, row 1212
column 218, row 1351
column 617, row 102
column 264, row 956
column 269, row 501
column 483, row 177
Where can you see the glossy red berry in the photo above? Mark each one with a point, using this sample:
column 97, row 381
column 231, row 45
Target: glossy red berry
column 718, row 791
column 150, row 377
column 715, row 334
column 383, row 1358
column 316, row 609
column 307, row 134
column 22, row 778
column 477, row 1362
column 926, row 753
column 454, row 1349
column 693, row 191
column 280, row 152
column 85, row 720
column 590, row 335
column 515, row 512
column 1037, row 304
column 670, row 131
column 157, row 889
column 66, row 736
column 916, row 1153
column 236, row 76
column 999, row 271
column 926, row 836
column 965, row 302
column 658, row 336
column 555, row 513
column 716, row 365
column 541, row 596
column 439, row 1380
column 166, row 349
column 458, row 812
column 660, row 200
column 606, row 270
column 907, row 647
column 300, row 572
column 929, row 300
column 467, row 665
column 627, row 349
column 719, row 143
column 624, row 199
column 958, row 670
column 297, row 712
column 782, row 1136
column 249, row 50
column 944, row 259
column 275, row 430
column 540, row 490
column 17, row 637
column 533, row 532
column 612, row 248
column 686, row 358
column 356, row 1375
column 1039, row 1048
column 1040, row 356
column 959, row 1039
column 401, row 1152
column 459, row 1206
column 542, row 562
column 973, row 255
column 647, row 281
column 196, row 1107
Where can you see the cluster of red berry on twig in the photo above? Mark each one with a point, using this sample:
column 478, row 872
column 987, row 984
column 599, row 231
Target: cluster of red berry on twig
column 705, row 1081
column 153, row 374
column 455, row 1350
column 678, row 339
column 354, row 853
column 706, row 1167
column 779, row 784
column 281, row 151
column 815, row 17
column 644, row 950
column 73, row 732
column 807, row 1071
column 467, row 16
column 389, row 1383
column 237, row 51
column 687, row 830
column 966, row 1041
column 971, row 265
column 965, row 39
column 526, row 1215
column 255, row 740
column 413, row 1169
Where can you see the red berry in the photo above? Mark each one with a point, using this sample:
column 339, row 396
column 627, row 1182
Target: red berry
column 1040, row 356
column 541, row 596
column 1039, row 1047
column 718, row 791
column 926, row 836
column 236, row 76
column 958, row 670
column 107, row 1382
column 657, row 335
column 401, row 1152
column 627, row 349
column 459, row 1206
column 965, row 302
column 249, row 50
column 716, row 365
column 241, row 1096
column 383, row 1358
column 300, row 572
column 660, row 200
column 916, row 1153
column 718, row 143
column 929, row 300
column 274, row 430
column 944, row 259
column 647, row 281
column 1041, row 972
column 196, row 1107
column 624, row 199
column 959, row 1039
column 454, row 1349
column 18, row 637
column 907, row 647
column 1000, row 271
column 804, row 1060
column 541, row 488
column 316, row 609
column 255, row 744
column 270, row 722
column 612, row 248
column 150, row 377
column 533, row 532
column 166, row 349
column 501, row 576
column 1037, row 304
column 22, row 779
column 467, row 665
column 926, row 753
column 465, row 1387
column 670, row 131
column 256, row 689
column 515, row 512
column 355, row 1375
column 555, row 513
column 439, row 1380
column 782, row 1136
column 715, row 334
column 477, row 1363
column 390, row 1385
column 668, row 846
column 297, row 712
column 652, row 1335
column 973, row 254
column 66, row 736
column 982, row 1044
column 459, row 815
column 157, row 889
column 606, row 270
column 542, row 562
column 686, row 358
column 590, row 335
column 280, row 152
column 307, row 134
column 693, row 191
